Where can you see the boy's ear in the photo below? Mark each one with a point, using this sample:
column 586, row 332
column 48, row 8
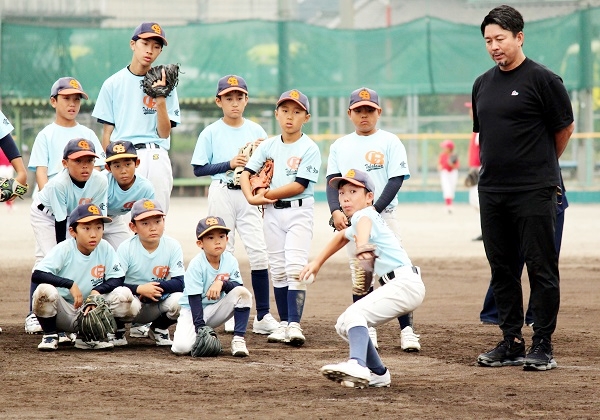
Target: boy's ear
column 306, row 118
column 64, row 162
column 200, row 243
column 53, row 101
column 107, row 167
column 133, row 227
column 72, row 232
column 218, row 102
column 137, row 162
column 370, row 197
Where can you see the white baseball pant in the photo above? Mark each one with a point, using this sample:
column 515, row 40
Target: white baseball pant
column 42, row 223
column 448, row 180
column 118, row 230
column 153, row 310
column 155, row 165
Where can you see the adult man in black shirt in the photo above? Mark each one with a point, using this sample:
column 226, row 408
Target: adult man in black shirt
column 524, row 118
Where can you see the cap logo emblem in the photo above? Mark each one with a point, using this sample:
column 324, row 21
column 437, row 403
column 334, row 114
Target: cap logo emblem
column 119, row 148
column 156, row 28
column 74, row 83
column 294, row 94
column 364, row 94
column 148, row 205
column 93, row 209
column 211, row 221
column 351, row 174
column 83, row 144
column 232, row 81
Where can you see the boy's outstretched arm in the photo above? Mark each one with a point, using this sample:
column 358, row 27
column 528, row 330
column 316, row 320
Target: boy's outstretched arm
column 363, row 231
column 337, row 242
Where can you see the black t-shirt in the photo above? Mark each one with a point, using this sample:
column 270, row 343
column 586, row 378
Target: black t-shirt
column 517, row 114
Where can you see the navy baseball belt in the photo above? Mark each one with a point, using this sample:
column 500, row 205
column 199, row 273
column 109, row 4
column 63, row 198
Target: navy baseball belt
column 391, row 275
column 280, row 204
column 146, row 146
column 231, row 185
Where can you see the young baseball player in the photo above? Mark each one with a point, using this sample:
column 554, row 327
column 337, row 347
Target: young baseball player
column 448, row 168
column 153, row 266
column 46, row 154
column 80, row 266
column 383, row 156
column 217, row 154
column 128, row 114
column 402, row 292
column 288, row 209
column 124, row 189
column 213, row 291
column 78, row 183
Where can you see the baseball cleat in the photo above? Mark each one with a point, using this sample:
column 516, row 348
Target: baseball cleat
column 238, row 347
column 540, row 357
column 66, row 338
column 279, row 335
column 267, row 325
column 294, row 334
column 506, row 353
column 161, row 337
column 373, row 337
column 49, row 343
column 381, row 381
column 32, row 325
column 229, row 325
column 118, row 338
column 139, row 330
column 409, row 341
column 93, row 345
column 349, row 374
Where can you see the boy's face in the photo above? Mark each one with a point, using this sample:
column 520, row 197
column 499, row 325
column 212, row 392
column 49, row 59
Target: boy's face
column 365, row 119
column 145, row 51
column 81, row 168
column 87, row 235
column 291, row 117
column 354, row 198
column 67, row 107
column 233, row 104
column 124, row 171
column 150, row 229
column 214, row 242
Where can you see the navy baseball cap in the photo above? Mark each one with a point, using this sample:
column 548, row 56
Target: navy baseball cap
column 364, row 97
column 149, row 30
column 145, row 208
column 120, row 149
column 356, row 177
column 84, row 213
column 67, row 86
column 210, row 223
column 296, row 96
column 77, row 148
column 230, row 83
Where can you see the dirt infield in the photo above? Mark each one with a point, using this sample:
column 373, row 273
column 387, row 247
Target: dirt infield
column 277, row 381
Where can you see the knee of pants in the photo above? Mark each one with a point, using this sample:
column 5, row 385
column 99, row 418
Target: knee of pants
column 170, row 306
column 279, row 279
column 349, row 319
column 123, row 304
column 45, row 301
column 243, row 297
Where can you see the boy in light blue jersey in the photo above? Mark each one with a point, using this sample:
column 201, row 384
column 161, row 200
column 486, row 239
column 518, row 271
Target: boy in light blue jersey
column 46, row 154
column 128, row 114
column 153, row 265
column 217, row 154
column 124, row 189
column 213, row 291
column 80, row 266
column 402, row 290
column 288, row 209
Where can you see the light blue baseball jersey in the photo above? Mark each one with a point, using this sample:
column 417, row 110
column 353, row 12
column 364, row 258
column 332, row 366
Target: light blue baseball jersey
column 87, row 271
column 141, row 266
column 5, row 126
column 382, row 155
column 122, row 102
column 119, row 201
column 220, row 142
column 389, row 252
column 61, row 195
column 300, row 159
column 50, row 143
column 200, row 275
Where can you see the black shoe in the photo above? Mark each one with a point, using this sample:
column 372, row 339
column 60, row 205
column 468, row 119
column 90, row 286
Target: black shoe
column 508, row 352
column 540, row 357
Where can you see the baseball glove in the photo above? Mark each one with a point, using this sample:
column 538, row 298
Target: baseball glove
column 207, row 343
column 453, row 158
column 246, row 151
column 154, row 75
column 10, row 188
column 98, row 322
column 333, row 226
column 472, row 178
column 362, row 269
column 262, row 179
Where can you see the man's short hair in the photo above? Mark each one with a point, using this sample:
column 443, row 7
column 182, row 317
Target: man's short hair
column 508, row 18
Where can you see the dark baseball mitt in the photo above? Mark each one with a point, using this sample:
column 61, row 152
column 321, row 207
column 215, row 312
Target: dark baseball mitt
column 10, row 188
column 98, row 322
column 472, row 178
column 362, row 269
column 262, row 179
column 207, row 343
column 151, row 83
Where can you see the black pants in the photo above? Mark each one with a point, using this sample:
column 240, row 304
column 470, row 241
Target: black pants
column 520, row 225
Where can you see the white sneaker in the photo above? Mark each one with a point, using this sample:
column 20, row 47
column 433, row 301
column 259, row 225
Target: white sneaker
column 118, row 338
column 161, row 337
column 49, row 342
column 64, row 338
column 381, row 381
column 139, row 330
column 409, row 341
column 349, row 374
column 93, row 345
column 229, row 325
column 32, row 325
column 0, row 330
column 267, row 325
column 279, row 335
column 373, row 336
column 294, row 334
column 238, row 347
